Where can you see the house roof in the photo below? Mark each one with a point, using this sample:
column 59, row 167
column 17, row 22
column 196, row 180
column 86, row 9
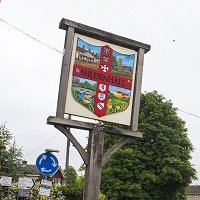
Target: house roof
column 83, row 51
column 32, row 170
column 87, row 54
column 193, row 189
column 59, row 170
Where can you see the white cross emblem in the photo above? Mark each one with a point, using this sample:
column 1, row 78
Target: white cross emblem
column 104, row 68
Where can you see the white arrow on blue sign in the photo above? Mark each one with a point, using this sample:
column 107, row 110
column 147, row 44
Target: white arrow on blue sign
column 47, row 163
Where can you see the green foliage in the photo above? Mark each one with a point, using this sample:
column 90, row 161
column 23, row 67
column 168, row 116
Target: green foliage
column 71, row 192
column 9, row 193
column 56, row 193
column 82, row 167
column 10, row 155
column 5, row 135
column 155, row 167
column 71, row 175
column 5, row 138
column 103, row 197
column 74, row 187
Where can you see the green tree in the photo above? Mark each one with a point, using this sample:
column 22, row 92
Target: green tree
column 74, row 187
column 156, row 166
column 5, row 138
column 10, row 155
column 72, row 175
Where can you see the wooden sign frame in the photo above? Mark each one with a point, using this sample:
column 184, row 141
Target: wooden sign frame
column 94, row 158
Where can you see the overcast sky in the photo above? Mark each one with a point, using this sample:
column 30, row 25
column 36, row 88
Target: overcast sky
column 30, row 71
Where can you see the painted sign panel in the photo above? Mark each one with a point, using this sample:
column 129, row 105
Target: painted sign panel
column 101, row 80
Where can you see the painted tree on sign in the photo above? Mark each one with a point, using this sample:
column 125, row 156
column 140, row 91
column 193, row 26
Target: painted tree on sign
column 157, row 166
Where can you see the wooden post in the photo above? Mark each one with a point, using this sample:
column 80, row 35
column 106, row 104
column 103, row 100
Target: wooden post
column 137, row 89
column 65, row 72
column 93, row 169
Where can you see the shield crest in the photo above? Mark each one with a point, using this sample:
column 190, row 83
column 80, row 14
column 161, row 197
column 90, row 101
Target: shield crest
column 102, row 78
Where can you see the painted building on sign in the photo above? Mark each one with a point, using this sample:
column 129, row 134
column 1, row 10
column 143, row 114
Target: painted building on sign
column 122, row 68
column 86, row 55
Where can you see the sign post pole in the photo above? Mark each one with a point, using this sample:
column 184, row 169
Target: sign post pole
column 93, row 169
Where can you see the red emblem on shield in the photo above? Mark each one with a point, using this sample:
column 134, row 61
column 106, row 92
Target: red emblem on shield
column 102, row 78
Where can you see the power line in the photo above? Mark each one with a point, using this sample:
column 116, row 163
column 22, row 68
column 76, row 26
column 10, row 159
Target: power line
column 30, row 36
column 30, row 131
column 14, row 112
column 188, row 113
column 25, row 110
column 41, row 145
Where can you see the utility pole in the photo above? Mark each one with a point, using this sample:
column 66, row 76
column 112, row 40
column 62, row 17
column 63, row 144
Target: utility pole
column 67, row 160
column 67, row 157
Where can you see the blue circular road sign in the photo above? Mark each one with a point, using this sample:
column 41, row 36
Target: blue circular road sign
column 47, row 163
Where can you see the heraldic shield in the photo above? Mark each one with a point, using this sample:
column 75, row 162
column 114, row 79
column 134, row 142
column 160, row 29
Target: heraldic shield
column 102, row 78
